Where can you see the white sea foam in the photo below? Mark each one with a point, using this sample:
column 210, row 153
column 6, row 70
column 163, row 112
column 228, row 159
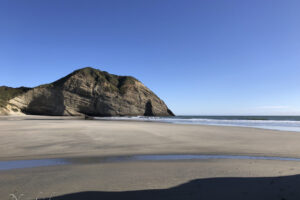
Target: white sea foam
column 286, row 125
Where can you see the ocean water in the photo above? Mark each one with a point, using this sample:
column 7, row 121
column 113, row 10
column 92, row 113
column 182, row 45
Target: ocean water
column 285, row 123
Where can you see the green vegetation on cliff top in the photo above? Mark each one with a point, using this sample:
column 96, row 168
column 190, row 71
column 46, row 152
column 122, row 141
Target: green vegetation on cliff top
column 7, row 93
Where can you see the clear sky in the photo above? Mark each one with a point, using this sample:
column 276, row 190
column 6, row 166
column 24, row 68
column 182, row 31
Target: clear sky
column 199, row 56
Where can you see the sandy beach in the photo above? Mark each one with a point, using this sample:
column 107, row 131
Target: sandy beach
column 149, row 100
column 35, row 137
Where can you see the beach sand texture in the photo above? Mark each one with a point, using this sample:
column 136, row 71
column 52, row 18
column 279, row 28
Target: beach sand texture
column 35, row 137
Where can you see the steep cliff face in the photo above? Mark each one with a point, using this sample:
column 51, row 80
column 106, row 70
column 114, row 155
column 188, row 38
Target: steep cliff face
column 91, row 92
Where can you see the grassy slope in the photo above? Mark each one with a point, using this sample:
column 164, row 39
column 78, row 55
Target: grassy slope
column 7, row 93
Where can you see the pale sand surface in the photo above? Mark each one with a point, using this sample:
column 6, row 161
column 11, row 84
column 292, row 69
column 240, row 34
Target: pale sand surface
column 34, row 137
column 44, row 138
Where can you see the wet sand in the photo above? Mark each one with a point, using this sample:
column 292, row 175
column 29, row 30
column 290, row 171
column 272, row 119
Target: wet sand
column 51, row 137
column 207, row 179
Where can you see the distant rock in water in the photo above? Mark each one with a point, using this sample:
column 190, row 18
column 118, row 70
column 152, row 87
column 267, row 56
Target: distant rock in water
column 88, row 92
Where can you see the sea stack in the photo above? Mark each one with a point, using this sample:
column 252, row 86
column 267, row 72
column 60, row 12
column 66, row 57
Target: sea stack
column 86, row 91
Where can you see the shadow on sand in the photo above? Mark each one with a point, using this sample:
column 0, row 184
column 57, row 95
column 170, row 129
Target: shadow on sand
column 283, row 188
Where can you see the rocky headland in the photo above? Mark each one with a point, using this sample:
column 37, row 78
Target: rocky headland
column 86, row 91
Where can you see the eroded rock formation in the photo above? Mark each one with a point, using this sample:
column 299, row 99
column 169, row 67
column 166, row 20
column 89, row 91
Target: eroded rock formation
column 90, row 92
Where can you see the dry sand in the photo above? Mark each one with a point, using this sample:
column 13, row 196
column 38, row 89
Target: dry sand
column 33, row 137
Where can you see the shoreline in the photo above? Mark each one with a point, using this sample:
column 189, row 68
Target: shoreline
column 42, row 137
column 146, row 120
column 87, row 141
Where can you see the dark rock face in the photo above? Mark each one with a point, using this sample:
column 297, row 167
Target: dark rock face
column 148, row 109
column 91, row 92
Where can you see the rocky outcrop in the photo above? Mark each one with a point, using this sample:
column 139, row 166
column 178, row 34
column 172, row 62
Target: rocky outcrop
column 90, row 92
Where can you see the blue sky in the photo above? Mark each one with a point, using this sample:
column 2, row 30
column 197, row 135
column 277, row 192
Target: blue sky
column 200, row 56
